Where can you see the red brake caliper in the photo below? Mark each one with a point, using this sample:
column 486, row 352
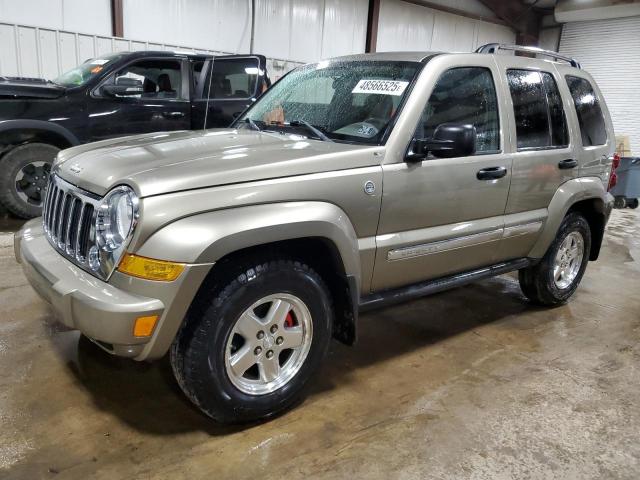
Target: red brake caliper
column 289, row 321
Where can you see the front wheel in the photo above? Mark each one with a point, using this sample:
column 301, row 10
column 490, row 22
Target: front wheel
column 632, row 203
column 247, row 349
column 557, row 276
column 24, row 171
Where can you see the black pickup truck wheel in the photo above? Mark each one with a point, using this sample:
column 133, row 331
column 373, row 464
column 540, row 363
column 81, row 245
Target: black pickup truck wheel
column 24, row 171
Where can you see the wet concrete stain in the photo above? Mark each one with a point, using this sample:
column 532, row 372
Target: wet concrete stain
column 471, row 383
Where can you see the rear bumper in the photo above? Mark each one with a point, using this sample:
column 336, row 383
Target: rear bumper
column 106, row 311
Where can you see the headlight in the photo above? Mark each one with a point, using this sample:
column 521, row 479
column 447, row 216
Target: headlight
column 115, row 219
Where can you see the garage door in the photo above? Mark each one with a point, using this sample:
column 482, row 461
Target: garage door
column 610, row 51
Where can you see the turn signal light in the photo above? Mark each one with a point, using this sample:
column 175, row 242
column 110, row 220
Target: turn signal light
column 144, row 326
column 149, row 268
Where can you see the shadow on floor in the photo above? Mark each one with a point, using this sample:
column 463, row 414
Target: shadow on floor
column 146, row 396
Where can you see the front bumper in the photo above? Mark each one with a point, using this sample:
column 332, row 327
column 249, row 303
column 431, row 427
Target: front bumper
column 106, row 311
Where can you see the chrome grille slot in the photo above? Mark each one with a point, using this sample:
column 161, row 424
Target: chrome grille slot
column 68, row 216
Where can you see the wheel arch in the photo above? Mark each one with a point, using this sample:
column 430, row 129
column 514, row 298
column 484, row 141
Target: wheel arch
column 316, row 233
column 16, row 132
column 585, row 195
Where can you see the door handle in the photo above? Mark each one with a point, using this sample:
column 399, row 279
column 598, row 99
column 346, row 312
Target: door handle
column 173, row 114
column 491, row 173
column 567, row 164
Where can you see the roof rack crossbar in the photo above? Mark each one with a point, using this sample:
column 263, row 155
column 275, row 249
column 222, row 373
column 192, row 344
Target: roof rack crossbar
column 493, row 47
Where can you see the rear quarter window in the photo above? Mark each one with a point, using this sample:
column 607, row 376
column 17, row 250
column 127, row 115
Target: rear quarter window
column 590, row 118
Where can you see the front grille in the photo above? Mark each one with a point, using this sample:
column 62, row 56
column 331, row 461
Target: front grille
column 68, row 218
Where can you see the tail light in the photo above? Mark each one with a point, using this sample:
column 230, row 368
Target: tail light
column 613, row 178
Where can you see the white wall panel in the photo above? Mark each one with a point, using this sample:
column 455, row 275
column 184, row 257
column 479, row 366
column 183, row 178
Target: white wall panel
column 307, row 18
column 345, row 27
column 89, row 16
column 223, row 25
column 406, row 26
column 610, row 51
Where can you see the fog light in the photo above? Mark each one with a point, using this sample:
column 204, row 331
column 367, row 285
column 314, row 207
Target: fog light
column 144, row 326
column 150, row 269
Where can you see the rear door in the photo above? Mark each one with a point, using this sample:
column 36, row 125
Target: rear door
column 595, row 138
column 543, row 149
column 232, row 83
column 162, row 106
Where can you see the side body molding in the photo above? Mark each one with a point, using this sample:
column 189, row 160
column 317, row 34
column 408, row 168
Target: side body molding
column 207, row 237
column 567, row 195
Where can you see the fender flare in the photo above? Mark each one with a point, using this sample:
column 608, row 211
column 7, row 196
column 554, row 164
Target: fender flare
column 207, row 237
column 567, row 195
column 7, row 125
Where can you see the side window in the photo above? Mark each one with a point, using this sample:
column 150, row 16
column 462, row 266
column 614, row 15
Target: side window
column 464, row 95
column 159, row 78
column 559, row 131
column 234, row 78
column 590, row 117
column 537, row 107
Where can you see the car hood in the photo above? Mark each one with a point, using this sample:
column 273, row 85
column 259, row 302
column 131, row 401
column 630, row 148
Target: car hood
column 16, row 87
column 168, row 162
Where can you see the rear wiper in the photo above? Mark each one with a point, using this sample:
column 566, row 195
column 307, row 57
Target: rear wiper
column 311, row 128
column 249, row 121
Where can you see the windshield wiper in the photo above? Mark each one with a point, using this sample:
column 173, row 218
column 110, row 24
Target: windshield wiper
column 254, row 126
column 311, row 128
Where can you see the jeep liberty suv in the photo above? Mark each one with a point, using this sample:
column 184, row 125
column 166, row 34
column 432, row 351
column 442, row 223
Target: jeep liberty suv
column 351, row 184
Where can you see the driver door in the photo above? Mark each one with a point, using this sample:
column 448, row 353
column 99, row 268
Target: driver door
column 162, row 106
column 440, row 216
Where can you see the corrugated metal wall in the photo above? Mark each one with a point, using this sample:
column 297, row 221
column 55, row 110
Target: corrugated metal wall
column 288, row 32
column 85, row 16
column 42, row 52
column 610, row 51
column 406, row 26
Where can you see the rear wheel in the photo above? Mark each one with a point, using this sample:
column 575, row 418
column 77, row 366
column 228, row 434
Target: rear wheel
column 24, row 172
column 557, row 276
column 247, row 349
column 632, row 203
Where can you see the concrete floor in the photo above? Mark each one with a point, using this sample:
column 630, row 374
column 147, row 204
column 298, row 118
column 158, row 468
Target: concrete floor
column 471, row 383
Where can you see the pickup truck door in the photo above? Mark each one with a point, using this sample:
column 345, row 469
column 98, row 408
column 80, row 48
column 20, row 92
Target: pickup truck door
column 160, row 104
column 440, row 216
column 231, row 84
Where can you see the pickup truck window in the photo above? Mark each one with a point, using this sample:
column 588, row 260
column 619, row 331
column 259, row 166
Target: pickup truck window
column 465, row 95
column 81, row 74
column 590, row 117
column 537, row 106
column 234, row 78
column 346, row 101
column 158, row 78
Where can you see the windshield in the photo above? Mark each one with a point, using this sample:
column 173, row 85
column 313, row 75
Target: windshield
column 341, row 101
column 83, row 73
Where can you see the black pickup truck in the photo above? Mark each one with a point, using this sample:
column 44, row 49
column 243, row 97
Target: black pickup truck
column 124, row 93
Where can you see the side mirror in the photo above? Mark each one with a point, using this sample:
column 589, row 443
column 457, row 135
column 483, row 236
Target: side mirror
column 449, row 140
column 124, row 87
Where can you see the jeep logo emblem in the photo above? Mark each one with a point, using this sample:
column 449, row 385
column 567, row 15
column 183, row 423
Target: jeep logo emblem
column 75, row 168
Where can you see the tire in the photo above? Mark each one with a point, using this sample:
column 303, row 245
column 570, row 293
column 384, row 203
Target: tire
column 208, row 340
column 632, row 203
column 620, row 202
column 24, row 171
column 539, row 283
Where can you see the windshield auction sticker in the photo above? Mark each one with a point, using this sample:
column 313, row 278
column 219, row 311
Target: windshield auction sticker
column 383, row 87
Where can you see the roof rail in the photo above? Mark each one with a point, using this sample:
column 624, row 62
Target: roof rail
column 494, row 47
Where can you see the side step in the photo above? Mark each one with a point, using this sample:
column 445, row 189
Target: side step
column 403, row 294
